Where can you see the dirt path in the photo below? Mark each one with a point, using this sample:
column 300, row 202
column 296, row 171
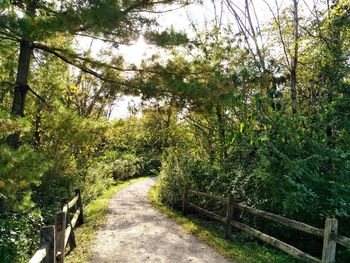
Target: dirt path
column 135, row 232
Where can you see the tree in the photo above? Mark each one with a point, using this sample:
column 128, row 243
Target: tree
column 35, row 25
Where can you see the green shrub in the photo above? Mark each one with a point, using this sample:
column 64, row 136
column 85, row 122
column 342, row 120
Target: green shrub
column 19, row 170
column 97, row 179
column 19, row 235
column 180, row 168
column 127, row 166
column 171, row 180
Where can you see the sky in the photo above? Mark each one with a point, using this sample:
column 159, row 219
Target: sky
column 179, row 20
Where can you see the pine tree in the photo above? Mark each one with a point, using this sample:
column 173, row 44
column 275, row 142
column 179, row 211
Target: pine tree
column 35, row 26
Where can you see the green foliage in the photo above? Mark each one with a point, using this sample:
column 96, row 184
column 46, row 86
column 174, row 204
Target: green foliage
column 167, row 38
column 171, row 181
column 19, row 170
column 16, row 235
column 9, row 125
column 98, row 178
column 63, row 138
column 127, row 166
column 248, row 143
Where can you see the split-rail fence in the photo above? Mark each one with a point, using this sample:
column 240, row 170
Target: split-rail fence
column 329, row 234
column 55, row 238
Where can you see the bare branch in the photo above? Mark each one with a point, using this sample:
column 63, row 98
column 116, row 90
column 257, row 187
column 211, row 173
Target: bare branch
column 276, row 18
column 243, row 29
column 102, row 39
column 38, row 96
column 258, row 51
column 7, row 84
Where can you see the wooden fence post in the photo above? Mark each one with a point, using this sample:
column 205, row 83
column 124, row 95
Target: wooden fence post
column 71, row 238
column 47, row 235
column 229, row 213
column 329, row 245
column 80, row 206
column 184, row 199
column 60, row 226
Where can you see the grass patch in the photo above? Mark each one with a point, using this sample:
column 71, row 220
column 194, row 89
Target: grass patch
column 213, row 234
column 94, row 216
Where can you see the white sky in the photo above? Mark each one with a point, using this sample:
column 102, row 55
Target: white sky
column 178, row 19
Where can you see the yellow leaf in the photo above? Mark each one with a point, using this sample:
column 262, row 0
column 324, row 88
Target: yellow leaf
column 23, row 183
column 73, row 88
column 2, row 183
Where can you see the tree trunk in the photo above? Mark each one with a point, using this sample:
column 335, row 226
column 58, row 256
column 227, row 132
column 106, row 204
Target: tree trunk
column 21, row 88
column 293, row 90
column 293, row 72
column 37, row 136
column 222, row 133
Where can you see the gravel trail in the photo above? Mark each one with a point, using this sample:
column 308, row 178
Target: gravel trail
column 136, row 232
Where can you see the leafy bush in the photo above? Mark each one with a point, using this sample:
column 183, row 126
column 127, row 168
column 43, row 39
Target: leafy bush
column 19, row 170
column 171, row 180
column 180, row 168
column 127, row 166
column 97, row 179
column 19, row 235
column 64, row 177
column 9, row 125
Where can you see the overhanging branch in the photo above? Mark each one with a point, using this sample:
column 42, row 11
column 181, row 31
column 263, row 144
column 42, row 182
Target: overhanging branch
column 38, row 96
column 73, row 63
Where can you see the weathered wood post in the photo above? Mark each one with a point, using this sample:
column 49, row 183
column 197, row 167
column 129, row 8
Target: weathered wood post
column 47, row 236
column 71, row 237
column 184, row 199
column 329, row 245
column 229, row 214
column 80, row 206
column 60, row 227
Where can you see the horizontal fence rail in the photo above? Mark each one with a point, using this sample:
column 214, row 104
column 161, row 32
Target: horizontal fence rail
column 206, row 212
column 329, row 233
column 281, row 220
column 344, row 241
column 54, row 239
column 275, row 242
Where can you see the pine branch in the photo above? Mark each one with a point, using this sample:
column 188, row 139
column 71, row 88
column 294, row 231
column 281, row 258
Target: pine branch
column 7, row 84
column 73, row 63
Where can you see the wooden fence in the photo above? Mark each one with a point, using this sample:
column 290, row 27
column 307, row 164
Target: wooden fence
column 54, row 239
column 329, row 233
